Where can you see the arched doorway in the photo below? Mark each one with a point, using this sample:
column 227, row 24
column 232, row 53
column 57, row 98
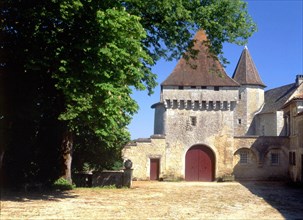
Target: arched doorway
column 199, row 164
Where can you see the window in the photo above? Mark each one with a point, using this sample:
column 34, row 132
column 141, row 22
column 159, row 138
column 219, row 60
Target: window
column 240, row 96
column 203, row 87
column 292, row 158
column 193, row 87
column 274, row 158
column 181, row 87
column 287, row 123
column 239, row 121
column 216, row 88
column 193, row 120
column 243, row 158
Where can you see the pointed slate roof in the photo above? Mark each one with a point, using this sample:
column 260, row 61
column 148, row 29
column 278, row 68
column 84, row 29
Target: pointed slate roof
column 246, row 72
column 204, row 70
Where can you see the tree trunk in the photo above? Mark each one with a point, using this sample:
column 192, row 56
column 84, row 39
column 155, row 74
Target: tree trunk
column 67, row 146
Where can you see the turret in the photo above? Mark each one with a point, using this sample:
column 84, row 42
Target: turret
column 251, row 94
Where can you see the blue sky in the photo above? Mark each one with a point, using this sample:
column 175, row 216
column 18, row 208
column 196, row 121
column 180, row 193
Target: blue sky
column 276, row 48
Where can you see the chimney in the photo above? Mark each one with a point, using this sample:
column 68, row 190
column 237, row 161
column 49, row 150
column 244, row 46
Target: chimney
column 299, row 80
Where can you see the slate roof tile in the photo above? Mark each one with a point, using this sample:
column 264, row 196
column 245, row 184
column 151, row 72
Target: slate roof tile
column 277, row 97
column 202, row 71
column 246, row 72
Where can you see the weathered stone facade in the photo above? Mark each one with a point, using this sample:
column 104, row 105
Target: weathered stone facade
column 207, row 123
column 293, row 111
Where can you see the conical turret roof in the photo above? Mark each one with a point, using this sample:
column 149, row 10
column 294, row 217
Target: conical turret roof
column 246, row 72
column 204, row 70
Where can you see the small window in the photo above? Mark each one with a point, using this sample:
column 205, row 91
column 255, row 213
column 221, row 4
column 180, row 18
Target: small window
column 203, row 87
column 193, row 87
column 239, row 121
column 216, row 88
column 240, row 97
column 181, row 87
column 193, row 120
column 243, row 158
column 274, row 158
column 292, row 158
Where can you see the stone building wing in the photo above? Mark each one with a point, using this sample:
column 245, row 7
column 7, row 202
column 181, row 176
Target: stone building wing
column 246, row 72
column 277, row 97
column 204, row 70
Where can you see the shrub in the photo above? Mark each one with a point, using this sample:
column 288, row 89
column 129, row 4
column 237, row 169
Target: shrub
column 63, row 184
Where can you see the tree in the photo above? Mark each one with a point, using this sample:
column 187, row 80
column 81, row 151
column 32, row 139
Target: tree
column 93, row 52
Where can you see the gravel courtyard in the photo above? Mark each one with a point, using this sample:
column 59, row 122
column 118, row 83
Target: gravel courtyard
column 160, row 200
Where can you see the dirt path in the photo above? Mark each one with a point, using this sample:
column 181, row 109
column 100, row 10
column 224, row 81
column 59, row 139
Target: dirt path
column 161, row 200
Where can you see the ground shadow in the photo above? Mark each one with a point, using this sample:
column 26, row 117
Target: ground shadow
column 284, row 197
column 47, row 195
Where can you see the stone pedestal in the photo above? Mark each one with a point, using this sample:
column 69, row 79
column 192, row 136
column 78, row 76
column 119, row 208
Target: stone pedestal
column 127, row 177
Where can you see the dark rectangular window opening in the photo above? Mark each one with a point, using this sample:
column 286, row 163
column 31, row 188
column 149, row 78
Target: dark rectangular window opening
column 181, row 87
column 216, row 88
column 274, row 158
column 243, row 158
column 239, row 121
column 193, row 87
column 292, row 158
column 193, row 120
column 203, row 87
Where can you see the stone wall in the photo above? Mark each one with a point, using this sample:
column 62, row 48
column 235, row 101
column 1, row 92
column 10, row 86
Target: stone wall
column 141, row 151
column 296, row 141
column 270, row 124
column 260, row 166
column 199, row 94
column 251, row 100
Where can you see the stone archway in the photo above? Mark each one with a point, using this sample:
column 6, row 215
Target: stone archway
column 200, row 164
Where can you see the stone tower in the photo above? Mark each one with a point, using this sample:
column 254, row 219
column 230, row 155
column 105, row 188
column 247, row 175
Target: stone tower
column 197, row 108
column 250, row 97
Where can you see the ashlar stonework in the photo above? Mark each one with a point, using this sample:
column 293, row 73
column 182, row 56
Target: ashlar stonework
column 208, row 125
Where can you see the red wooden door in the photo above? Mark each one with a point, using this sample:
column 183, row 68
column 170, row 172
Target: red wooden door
column 199, row 164
column 154, row 169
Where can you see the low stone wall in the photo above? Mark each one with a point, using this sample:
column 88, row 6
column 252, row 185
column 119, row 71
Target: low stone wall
column 108, row 178
column 82, row 179
column 119, row 178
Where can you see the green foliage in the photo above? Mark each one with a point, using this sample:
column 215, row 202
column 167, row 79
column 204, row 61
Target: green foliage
column 86, row 167
column 170, row 24
column 118, row 165
column 63, row 184
column 71, row 65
